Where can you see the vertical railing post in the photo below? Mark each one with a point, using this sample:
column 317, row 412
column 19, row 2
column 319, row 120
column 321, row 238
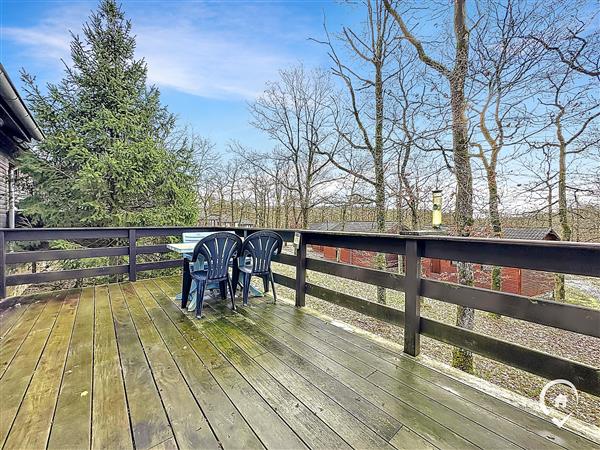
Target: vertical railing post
column 301, row 271
column 412, row 300
column 2, row 266
column 132, row 256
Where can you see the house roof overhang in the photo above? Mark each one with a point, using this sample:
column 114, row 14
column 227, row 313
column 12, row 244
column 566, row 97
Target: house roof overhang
column 18, row 129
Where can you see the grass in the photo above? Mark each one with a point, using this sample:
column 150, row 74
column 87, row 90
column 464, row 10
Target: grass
column 578, row 297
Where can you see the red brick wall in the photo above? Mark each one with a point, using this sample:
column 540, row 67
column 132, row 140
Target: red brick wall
column 329, row 253
column 511, row 280
column 363, row 258
column 345, row 256
column 511, row 277
column 515, row 281
column 536, row 283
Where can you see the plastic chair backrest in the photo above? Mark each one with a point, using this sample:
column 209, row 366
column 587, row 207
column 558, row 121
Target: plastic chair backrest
column 261, row 247
column 217, row 249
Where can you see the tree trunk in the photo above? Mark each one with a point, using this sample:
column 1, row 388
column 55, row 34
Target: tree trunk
column 496, row 282
column 563, row 216
column 379, row 172
column 305, row 209
column 465, row 317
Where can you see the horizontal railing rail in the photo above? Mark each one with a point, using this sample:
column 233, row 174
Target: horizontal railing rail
column 558, row 257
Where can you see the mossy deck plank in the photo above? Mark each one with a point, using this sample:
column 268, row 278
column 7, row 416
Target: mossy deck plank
column 438, row 384
column 269, row 427
column 12, row 340
column 229, row 426
column 187, row 421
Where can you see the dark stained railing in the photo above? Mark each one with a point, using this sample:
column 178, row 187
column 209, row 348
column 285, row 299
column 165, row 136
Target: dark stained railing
column 559, row 257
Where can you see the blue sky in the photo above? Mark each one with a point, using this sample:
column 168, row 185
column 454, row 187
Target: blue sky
column 209, row 58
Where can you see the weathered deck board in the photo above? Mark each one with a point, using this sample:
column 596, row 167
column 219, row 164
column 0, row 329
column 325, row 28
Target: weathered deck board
column 14, row 337
column 231, row 429
column 431, row 430
column 442, row 407
column 189, row 424
column 313, row 431
column 305, row 372
column 149, row 422
column 121, row 366
column 267, row 424
column 31, row 427
column 15, row 380
column 408, row 368
column 110, row 421
column 72, row 419
column 9, row 316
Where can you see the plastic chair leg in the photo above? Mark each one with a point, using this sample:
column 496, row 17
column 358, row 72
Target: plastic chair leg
column 232, row 294
column 199, row 298
column 273, row 285
column 266, row 282
column 246, row 291
column 223, row 289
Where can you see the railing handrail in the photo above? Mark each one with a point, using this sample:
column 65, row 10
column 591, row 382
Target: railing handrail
column 405, row 235
column 552, row 256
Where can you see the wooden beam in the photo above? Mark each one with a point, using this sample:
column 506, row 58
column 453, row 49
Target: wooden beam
column 132, row 255
column 369, row 308
column 584, row 377
column 148, row 249
column 370, row 276
column 61, row 255
column 301, row 272
column 548, row 256
column 288, row 282
column 543, row 312
column 44, row 277
column 159, row 265
column 284, row 258
column 2, row 265
column 412, row 300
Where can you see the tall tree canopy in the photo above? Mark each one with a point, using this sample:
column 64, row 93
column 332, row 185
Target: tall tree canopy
column 110, row 157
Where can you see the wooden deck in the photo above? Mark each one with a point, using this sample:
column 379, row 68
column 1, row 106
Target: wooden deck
column 121, row 366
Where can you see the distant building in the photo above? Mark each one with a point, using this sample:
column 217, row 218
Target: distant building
column 351, row 256
column 225, row 221
column 246, row 223
column 18, row 131
column 513, row 280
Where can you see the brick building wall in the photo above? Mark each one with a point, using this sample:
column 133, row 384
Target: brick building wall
column 515, row 281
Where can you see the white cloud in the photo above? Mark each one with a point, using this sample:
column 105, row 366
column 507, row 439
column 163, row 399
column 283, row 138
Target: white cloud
column 205, row 63
column 209, row 54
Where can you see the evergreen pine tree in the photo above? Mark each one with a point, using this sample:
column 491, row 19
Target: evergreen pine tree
column 108, row 158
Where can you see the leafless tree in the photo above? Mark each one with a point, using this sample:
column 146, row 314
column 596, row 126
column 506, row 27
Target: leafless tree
column 363, row 64
column 204, row 168
column 294, row 113
column 573, row 112
column 455, row 73
column 568, row 30
column 505, row 74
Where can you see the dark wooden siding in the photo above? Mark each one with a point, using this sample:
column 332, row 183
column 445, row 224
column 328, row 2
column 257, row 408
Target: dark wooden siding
column 4, row 164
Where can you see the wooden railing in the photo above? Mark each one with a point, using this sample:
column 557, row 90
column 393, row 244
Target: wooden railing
column 557, row 257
